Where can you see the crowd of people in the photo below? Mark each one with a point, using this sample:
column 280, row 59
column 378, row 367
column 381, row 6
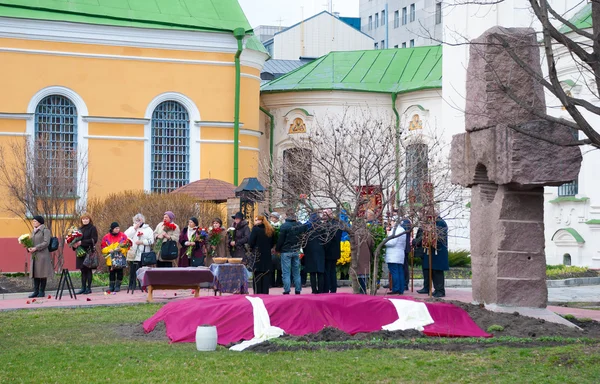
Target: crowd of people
column 277, row 253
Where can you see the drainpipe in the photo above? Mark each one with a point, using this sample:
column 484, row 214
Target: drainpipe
column 239, row 34
column 271, row 130
column 394, row 97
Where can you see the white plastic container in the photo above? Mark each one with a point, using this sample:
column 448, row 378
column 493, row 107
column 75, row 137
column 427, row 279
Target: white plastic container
column 206, row 338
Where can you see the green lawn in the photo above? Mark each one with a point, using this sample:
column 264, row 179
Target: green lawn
column 82, row 346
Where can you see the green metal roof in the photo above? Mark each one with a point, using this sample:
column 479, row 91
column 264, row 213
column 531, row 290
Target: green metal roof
column 581, row 20
column 255, row 44
column 384, row 71
column 204, row 15
column 578, row 238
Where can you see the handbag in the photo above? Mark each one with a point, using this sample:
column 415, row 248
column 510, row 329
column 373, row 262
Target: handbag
column 148, row 258
column 197, row 261
column 118, row 261
column 91, row 260
column 169, row 251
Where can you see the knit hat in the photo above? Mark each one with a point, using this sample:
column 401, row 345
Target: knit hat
column 276, row 214
column 113, row 225
column 171, row 215
column 39, row 219
column 193, row 219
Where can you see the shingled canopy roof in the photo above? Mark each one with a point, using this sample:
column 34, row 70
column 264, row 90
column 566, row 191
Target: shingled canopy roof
column 208, row 190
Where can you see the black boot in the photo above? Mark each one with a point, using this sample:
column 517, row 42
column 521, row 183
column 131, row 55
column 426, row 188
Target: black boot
column 423, row 290
column 83, row 283
column 118, row 286
column 36, row 288
column 42, row 288
column 111, row 286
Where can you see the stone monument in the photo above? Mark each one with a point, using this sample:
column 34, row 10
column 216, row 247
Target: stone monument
column 507, row 170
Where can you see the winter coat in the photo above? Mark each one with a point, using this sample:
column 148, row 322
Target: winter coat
column 290, row 236
column 395, row 249
column 261, row 246
column 197, row 252
column 145, row 235
column 221, row 250
column 334, row 235
column 109, row 239
column 439, row 259
column 88, row 242
column 171, row 235
column 241, row 237
column 365, row 254
column 40, row 266
column 314, row 251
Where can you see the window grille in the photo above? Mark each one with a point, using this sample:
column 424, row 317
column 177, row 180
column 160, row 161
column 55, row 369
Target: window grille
column 170, row 165
column 55, row 152
column 568, row 189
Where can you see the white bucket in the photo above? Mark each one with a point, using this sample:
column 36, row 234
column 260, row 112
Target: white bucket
column 206, row 338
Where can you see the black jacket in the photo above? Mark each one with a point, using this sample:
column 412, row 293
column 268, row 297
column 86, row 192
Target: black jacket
column 88, row 242
column 242, row 235
column 314, row 251
column 334, row 235
column 289, row 236
column 261, row 246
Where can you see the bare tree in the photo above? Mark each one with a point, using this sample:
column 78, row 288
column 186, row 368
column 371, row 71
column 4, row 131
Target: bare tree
column 43, row 177
column 563, row 44
column 348, row 163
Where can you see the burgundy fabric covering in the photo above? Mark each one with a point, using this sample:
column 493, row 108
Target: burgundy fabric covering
column 176, row 276
column 301, row 314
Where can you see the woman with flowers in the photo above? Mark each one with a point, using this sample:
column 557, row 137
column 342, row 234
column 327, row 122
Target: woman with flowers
column 40, row 267
column 192, row 240
column 165, row 231
column 217, row 242
column 142, row 238
column 88, row 242
column 261, row 242
column 114, row 241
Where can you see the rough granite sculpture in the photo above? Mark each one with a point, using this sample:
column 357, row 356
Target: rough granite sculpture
column 507, row 170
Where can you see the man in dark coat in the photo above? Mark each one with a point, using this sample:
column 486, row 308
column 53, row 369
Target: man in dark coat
column 439, row 259
column 314, row 254
column 288, row 244
column 332, row 250
column 241, row 237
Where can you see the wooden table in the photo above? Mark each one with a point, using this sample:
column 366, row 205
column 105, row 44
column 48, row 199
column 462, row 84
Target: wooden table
column 174, row 278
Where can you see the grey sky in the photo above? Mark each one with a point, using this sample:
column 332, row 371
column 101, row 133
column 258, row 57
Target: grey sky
column 269, row 12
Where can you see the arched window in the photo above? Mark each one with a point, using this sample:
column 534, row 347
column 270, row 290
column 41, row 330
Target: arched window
column 55, row 147
column 170, row 147
column 417, row 169
column 297, row 165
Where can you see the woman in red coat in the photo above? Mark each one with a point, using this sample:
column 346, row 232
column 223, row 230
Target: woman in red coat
column 192, row 237
column 114, row 236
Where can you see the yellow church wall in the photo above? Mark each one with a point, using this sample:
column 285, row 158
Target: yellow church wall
column 105, row 129
column 216, row 162
column 11, row 125
column 114, row 165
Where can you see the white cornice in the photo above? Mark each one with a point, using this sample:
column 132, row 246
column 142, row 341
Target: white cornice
column 250, row 149
column 14, row 134
column 16, row 116
column 249, row 132
column 125, row 138
column 207, row 141
column 254, row 59
column 116, row 36
column 217, row 124
column 250, row 76
column 115, row 120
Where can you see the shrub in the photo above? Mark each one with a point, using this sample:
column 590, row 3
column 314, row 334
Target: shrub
column 585, row 320
column 554, row 270
column 569, row 317
column 122, row 206
column 459, row 258
column 495, row 328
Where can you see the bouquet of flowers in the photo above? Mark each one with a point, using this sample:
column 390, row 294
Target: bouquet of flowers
column 73, row 236
column 231, row 234
column 26, row 241
column 167, row 227
column 343, row 263
column 125, row 246
column 214, row 239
